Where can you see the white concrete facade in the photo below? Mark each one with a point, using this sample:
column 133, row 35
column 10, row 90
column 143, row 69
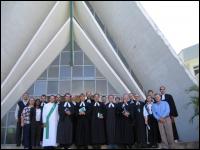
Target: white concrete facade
column 146, row 50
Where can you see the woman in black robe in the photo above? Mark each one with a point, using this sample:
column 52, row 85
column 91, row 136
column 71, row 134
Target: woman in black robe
column 65, row 124
column 140, row 122
column 97, row 123
column 82, row 127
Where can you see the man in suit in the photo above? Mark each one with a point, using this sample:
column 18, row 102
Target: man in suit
column 173, row 111
column 19, row 108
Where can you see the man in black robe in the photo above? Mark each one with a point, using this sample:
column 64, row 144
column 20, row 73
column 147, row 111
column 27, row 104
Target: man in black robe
column 110, row 122
column 97, row 123
column 74, row 118
column 139, row 122
column 124, row 134
column 82, row 127
column 173, row 110
column 65, row 124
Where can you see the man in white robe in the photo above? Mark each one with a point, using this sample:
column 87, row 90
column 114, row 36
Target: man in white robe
column 50, row 120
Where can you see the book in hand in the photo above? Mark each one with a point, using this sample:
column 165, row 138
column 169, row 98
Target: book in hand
column 125, row 111
column 99, row 115
column 82, row 109
column 148, row 127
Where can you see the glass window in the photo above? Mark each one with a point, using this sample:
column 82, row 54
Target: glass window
column 3, row 121
column 43, row 76
column 52, row 87
column 11, row 120
column 2, row 135
column 40, row 88
column 10, row 137
column 89, row 71
column 89, row 85
column 56, row 61
column 67, row 48
column 53, row 72
column 77, row 72
column 101, row 87
column 65, row 72
column 30, row 91
column 77, row 86
column 111, row 90
column 98, row 74
column 87, row 60
column 64, row 87
column 65, row 58
column 14, row 107
column 78, row 58
column 76, row 47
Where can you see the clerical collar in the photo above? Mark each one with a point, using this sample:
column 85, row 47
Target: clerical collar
column 125, row 104
column 82, row 104
column 88, row 100
column 111, row 105
column 138, row 103
column 24, row 101
column 74, row 103
column 96, row 104
column 67, row 104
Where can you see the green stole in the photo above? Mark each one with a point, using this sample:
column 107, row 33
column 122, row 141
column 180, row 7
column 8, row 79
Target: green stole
column 47, row 121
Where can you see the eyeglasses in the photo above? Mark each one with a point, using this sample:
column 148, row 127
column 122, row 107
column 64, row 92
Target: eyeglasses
column 162, row 89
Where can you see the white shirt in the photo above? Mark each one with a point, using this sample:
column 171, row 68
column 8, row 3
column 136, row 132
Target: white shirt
column 38, row 114
column 42, row 104
column 149, row 107
column 17, row 108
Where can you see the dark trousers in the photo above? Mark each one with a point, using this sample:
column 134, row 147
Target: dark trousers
column 27, row 135
column 37, row 133
column 153, row 133
column 175, row 133
column 41, row 134
column 19, row 133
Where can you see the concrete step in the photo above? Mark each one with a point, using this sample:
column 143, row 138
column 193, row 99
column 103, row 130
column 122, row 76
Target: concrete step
column 179, row 145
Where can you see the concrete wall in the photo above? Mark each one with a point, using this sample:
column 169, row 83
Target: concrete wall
column 19, row 22
column 39, row 41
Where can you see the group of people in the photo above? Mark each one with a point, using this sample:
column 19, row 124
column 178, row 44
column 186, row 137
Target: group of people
column 116, row 122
